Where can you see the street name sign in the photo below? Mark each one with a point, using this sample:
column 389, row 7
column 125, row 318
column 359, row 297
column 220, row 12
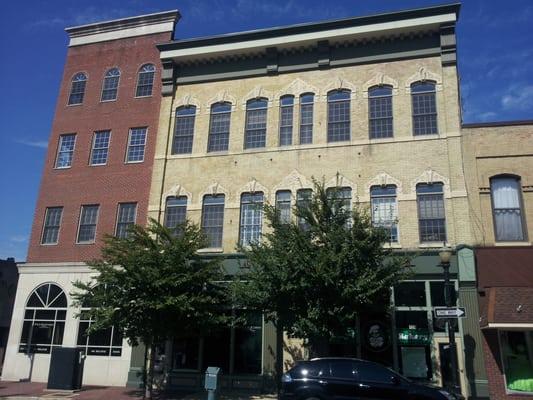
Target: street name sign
column 450, row 312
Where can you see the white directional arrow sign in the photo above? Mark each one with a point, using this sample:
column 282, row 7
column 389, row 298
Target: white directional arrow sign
column 450, row 312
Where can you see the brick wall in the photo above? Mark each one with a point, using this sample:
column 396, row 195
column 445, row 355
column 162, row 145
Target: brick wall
column 104, row 185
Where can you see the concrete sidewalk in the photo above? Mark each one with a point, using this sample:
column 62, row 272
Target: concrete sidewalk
column 36, row 391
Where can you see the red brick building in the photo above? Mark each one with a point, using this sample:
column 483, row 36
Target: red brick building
column 96, row 181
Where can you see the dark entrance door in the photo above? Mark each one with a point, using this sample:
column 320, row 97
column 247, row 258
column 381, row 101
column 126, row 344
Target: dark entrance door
column 446, row 366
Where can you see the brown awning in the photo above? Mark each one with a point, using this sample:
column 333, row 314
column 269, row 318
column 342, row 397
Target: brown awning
column 505, row 285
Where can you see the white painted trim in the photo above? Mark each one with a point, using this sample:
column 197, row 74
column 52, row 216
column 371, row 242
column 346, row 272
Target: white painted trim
column 517, row 325
column 54, row 268
column 308, row 38
column 122, row 33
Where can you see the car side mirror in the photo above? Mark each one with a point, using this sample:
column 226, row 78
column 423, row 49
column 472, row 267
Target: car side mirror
column 395, row 380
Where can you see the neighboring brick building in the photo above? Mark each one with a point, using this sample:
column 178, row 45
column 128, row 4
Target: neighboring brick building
column 96, row 181
column 499, row 169
column 8, row 289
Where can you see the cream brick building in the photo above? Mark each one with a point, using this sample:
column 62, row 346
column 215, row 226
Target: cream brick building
column 350, row 57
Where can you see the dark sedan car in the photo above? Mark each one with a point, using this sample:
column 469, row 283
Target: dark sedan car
column 353, row 379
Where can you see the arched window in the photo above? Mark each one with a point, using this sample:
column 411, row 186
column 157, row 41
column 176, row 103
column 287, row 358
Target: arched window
column 77, row 89
column 145, row 80
column 110, row 85
column 507, row 208
column 213, row 219
column 219, row 124
column 338, row 115
column 251, row 218
column 44, row 319
column 431, row 215
column 256, row 123
column 306, row 118
column 184, row 132
column 175, row 211
column 385, row 209
column 424, row 108
column 380, row 111
column 286, row 111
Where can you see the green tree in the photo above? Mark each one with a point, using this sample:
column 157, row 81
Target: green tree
column 153, row 285
column 313, row 275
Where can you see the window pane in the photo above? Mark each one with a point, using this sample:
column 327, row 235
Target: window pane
column 77, row 90
column 343, row 369
column 283, row 205
column 507, row 209
column 213, row 219
column 51, row 225
column 306, row 119
column 256, row 118
column 248, row 345
column 251, row 218
column 380, row 112
column 286, row 115
column 87, row 230
column 183, row 135
column 136, row 145
column 412, row 320
column 110, row 85
column 431, row 213
column 185, row 353
column 517, row 354
column 65, row 150
column 217, row 350
column 410, row 294
column 424, row 108
column 126, row 218
column 368, row 372
column 219, row 126
column 338, row 116
column 176, row 211
column 100, row 147
column 145, row 80
column 385, row 209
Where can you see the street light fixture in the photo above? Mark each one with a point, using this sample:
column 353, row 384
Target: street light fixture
column 445, row 256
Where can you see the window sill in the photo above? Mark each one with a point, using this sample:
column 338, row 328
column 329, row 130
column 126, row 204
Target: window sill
column 97, row 165
column 392, row 245
column 108, row 101
column 431, row 245
column 60, row 168
column 211, row 250
column 74, row 105
column 49, row 244
column 85, row 243
column 133, row 162
column 142, row 97
column 506, row 244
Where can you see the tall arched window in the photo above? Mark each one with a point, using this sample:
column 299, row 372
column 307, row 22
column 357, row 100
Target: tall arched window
column 306, row 118
column 256, row 123
column 339, row 115
column 145, row 80
column 219, row 123
column 184, row 132
column 286, row 111
column 424, row 108
column 44, row 319
column 77, row 89
column 507, row 208
column 380, row 111
column 110, row 85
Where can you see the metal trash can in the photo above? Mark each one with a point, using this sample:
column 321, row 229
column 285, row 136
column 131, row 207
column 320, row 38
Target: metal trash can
column 66, row 368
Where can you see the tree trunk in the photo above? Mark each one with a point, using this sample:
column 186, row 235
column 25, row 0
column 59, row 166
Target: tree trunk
column 279, row 355
column 148, row 389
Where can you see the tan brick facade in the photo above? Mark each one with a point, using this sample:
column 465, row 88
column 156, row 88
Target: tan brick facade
column 403, row 160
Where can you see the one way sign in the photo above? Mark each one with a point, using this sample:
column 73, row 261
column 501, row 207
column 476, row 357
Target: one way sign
column 450, row 312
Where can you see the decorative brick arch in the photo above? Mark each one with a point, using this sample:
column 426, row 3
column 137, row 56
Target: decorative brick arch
column 213, row 189
column 383, row 179
column 423, row 74
column 188, row 100
column 296, row 88
column 340, row 83
column 254, row 186
column 431, row 176
column 175, row 191
column 293, row 182
column 380, row 79
column 341, row 181
column 220, row 97
column 257, row 92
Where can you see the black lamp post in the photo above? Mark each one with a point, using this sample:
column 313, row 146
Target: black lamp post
column 445, row 255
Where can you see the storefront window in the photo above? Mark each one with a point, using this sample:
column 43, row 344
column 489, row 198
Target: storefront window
column 437, row 294
column 410, row 294
column 185, row 353
column 103, row 342
column 517, row 355
column 217, row 349
column 44, row 319
column 248, row 340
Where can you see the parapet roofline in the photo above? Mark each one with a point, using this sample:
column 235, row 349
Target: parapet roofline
column 390, row 23
column 124, row 27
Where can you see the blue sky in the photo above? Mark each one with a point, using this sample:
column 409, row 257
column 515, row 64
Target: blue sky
column 494, row 46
